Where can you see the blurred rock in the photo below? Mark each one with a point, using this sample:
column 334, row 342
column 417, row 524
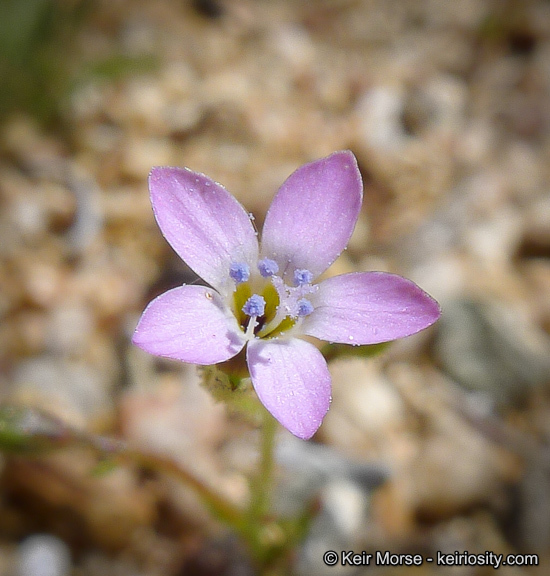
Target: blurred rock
column 342, row 489
column 492, row 349
column 75, row 392
column 222, row 556
column 8, row 555
column 451, row 466
column 537, row 274
column 43, row 555
column 536, row 231
column 140, row 154
column 530, row 526
column 366, row 413
column 70, row 327
column 62, row 493
column 441, row 485
column 313, row 467
column 175, row 417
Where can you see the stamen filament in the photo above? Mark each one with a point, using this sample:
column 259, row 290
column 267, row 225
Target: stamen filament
column 280, row 315
column 252, row 323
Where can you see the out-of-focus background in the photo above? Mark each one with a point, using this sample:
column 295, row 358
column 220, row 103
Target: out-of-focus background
column 441, row 443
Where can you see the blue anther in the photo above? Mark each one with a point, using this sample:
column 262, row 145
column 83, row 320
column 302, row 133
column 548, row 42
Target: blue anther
column 239, row 272
column 268, row 267
column 305, row 307
column 255, row 306
column 302, row 277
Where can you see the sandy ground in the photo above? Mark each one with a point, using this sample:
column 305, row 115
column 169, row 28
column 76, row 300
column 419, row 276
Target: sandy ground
column 441, row 443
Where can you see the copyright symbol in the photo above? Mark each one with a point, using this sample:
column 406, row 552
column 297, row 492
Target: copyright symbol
column 330, row 558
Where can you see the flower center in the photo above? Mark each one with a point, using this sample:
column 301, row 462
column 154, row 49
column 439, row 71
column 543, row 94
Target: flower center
column 264, row 305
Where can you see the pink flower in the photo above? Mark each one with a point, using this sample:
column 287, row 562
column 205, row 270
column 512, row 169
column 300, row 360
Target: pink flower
column 263, row 296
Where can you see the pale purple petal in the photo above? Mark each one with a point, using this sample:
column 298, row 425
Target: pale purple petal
column 292, row 381
column 191, row 324
column 313, row 214
column 204, row 224
column 368, row 308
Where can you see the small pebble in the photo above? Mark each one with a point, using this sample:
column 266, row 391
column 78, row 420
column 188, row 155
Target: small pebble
column 43, row 555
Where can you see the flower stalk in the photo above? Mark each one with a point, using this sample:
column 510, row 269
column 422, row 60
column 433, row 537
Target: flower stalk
column 262, row 485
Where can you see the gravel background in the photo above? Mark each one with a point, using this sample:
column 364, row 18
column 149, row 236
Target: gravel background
column 442, row 442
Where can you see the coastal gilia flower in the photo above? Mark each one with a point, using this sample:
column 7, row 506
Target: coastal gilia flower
column 263, row 295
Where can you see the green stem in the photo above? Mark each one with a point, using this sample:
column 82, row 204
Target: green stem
column 220, row 507
column 265, row 536
column 263, row 483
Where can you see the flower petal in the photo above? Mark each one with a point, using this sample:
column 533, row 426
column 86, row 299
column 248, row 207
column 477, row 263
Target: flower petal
column 313, row 214
column 368, row 308
column 191, row 324
column 292, row 381
column 204, row 224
